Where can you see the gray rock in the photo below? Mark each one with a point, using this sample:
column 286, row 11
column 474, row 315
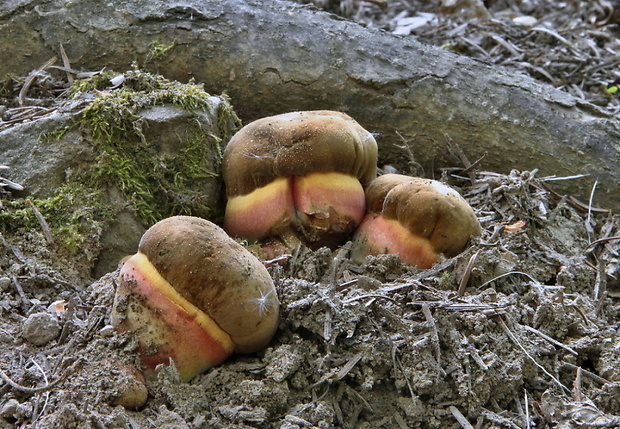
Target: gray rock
column 40, row 328
column 168, row 164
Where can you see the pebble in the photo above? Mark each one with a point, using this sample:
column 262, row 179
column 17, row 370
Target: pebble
column 40, row 328
column 5, row 282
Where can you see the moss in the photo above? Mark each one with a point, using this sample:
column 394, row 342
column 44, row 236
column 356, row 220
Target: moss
column 97, row 82
column 75, row 214
column 156, row 183
column 446, row 281
column 158, row 50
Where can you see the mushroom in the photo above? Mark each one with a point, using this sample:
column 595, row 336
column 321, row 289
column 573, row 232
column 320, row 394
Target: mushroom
column 194, row 295
column 298, row 176
column 416, row 218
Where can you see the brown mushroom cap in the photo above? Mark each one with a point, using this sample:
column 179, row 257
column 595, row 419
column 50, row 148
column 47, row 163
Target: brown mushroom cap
column 297, row 144
column 217, row 275
column 426, row 208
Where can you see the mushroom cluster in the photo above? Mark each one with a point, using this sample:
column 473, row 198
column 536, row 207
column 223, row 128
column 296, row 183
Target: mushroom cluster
column 298, row 177
column 193, row 295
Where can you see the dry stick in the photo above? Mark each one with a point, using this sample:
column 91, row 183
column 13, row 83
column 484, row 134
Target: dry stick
column 577, row 386
column 327, row 324
column 44, row 226
column 370, row 295
column 507, row 274
column 400, row 421
column 30, row 80
column 460, row 417
column 474, row 165
column 600, row 286
column 22, row 295
column 66, row 63
column 26, row 389
column 514, row 340
column 36, row 413
column 348, row 366
column 527, row 409
column 434, row 335
column 586, row 373
column 551, row 340
column 12, row 249
column 467, row 274
column 601, row 240
column 588, row 219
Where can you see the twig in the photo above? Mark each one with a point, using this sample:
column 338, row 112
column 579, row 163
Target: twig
column 14, row 250
column 281, row 258
column 586, row 373
column 22, row 295
column 467, row 274
column 589, row 218
column 514, row 340
column 527, row 410
column 507, row 274
column 600, row 286
column 601, row 240
column 460, row 417
column 30, row 80
column 434, row 335
column 577, row 386
column 66, row 63
column 551, row 340
column 327, row 324
column 455, row 153
column 474, row 164
column 26, row 389
column 47, row 232
column 370, row 295
column 348, row 366
column 36, row 413
column 400, row 421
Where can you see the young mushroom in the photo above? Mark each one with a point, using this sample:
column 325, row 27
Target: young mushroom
column 418, row 219
column 298, row 176
column 194, row 295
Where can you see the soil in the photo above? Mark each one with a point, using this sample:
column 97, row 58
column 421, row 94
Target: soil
column 518, row 331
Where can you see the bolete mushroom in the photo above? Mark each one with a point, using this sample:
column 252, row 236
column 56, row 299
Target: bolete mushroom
column 194, row 295
column 298, row 176
column 418, row 219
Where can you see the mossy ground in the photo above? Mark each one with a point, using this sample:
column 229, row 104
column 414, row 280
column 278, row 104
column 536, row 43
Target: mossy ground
column 155, row 183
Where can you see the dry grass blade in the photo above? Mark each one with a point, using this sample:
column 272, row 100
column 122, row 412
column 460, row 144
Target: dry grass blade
column 434, row 336
column 551, row 340
column 32, row 77
column 66, row 63
column 47, row 232
column 460, row 417
column 516, row 342
column 348, row 366
column 27, row 389
column 467, row 274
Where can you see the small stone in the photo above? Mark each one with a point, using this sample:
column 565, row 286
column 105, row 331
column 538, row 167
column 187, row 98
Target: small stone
column 9, row 409
column 40, row 328
column 5, row 282
column 107, row 331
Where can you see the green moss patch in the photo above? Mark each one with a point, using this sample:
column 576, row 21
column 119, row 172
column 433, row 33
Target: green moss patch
column 156, row 182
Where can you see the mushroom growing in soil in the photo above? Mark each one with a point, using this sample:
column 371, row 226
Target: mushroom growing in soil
column 298, row 176
column 418, row 219
column 194, row 295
